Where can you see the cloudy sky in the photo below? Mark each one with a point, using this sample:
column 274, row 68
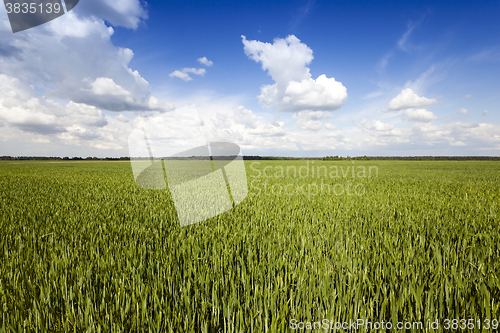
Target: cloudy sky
column 287, row 78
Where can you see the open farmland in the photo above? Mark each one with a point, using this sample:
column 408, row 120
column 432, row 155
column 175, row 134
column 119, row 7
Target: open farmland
column 83, row 248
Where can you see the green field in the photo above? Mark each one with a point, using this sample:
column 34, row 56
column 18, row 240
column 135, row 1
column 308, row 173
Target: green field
column 84, row 249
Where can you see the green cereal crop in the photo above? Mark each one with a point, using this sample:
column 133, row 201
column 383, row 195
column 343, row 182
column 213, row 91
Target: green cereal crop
column 84, row 249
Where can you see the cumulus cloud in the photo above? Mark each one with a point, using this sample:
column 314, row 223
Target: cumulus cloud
column 251, row 132
column 125, row 13
column 320, row 94
column 377, row 125
column 409, row 99
column 295, row 90
column 183, row 73
column 85, row 114
column 485, row 113
column 273, row 129
column 29, row 116
column 245, row 117
column 122, row 118
column 422, row 115
column 107, row 94
column 223, row 122
column 314, row 115
column 311, row 120
column 20, row 108
column 286, row 59
column 481, row 135
column 23, row 108
column 106, row 86
column 205, row 61
column 372, row 133
column 309, row 124
column 250, row 122
column 73, row 58
column 462, row 111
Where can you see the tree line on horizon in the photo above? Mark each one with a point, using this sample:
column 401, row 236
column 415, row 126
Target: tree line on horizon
column 264, row 158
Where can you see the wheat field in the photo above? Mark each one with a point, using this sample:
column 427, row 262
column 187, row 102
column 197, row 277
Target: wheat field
column 84, row 249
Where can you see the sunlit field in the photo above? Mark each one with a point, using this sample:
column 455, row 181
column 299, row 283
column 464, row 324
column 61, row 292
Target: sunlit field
column 83, row 248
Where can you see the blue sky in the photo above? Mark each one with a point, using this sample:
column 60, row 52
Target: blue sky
column 309, row 78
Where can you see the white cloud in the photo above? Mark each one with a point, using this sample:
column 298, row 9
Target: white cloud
column 30, row 118
column 39, row 122
column 422, row 115
column 286, row 59
column 40, row 140
column 183, row 74
column 107, row 94
column 310, row 125
column 409, row 99
column 224, row 122
column 199, row 71
column 462, row 111
column 72, row 25
column 484, row 136
column 485, row 113
column 122, row 118
column 21, row 107
column 314, row 115
column 112, row 137
column 468, row 96
column 320, row 94
column 85, row 114
column 273, row 129
column 106, row 86
column 376, row 125
column 205, row 61
column 73, row 58
column 481, row 136
column 294, row 90
column 125, row 13
column 245, row 117
column 225, row 119
column 310, row 120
